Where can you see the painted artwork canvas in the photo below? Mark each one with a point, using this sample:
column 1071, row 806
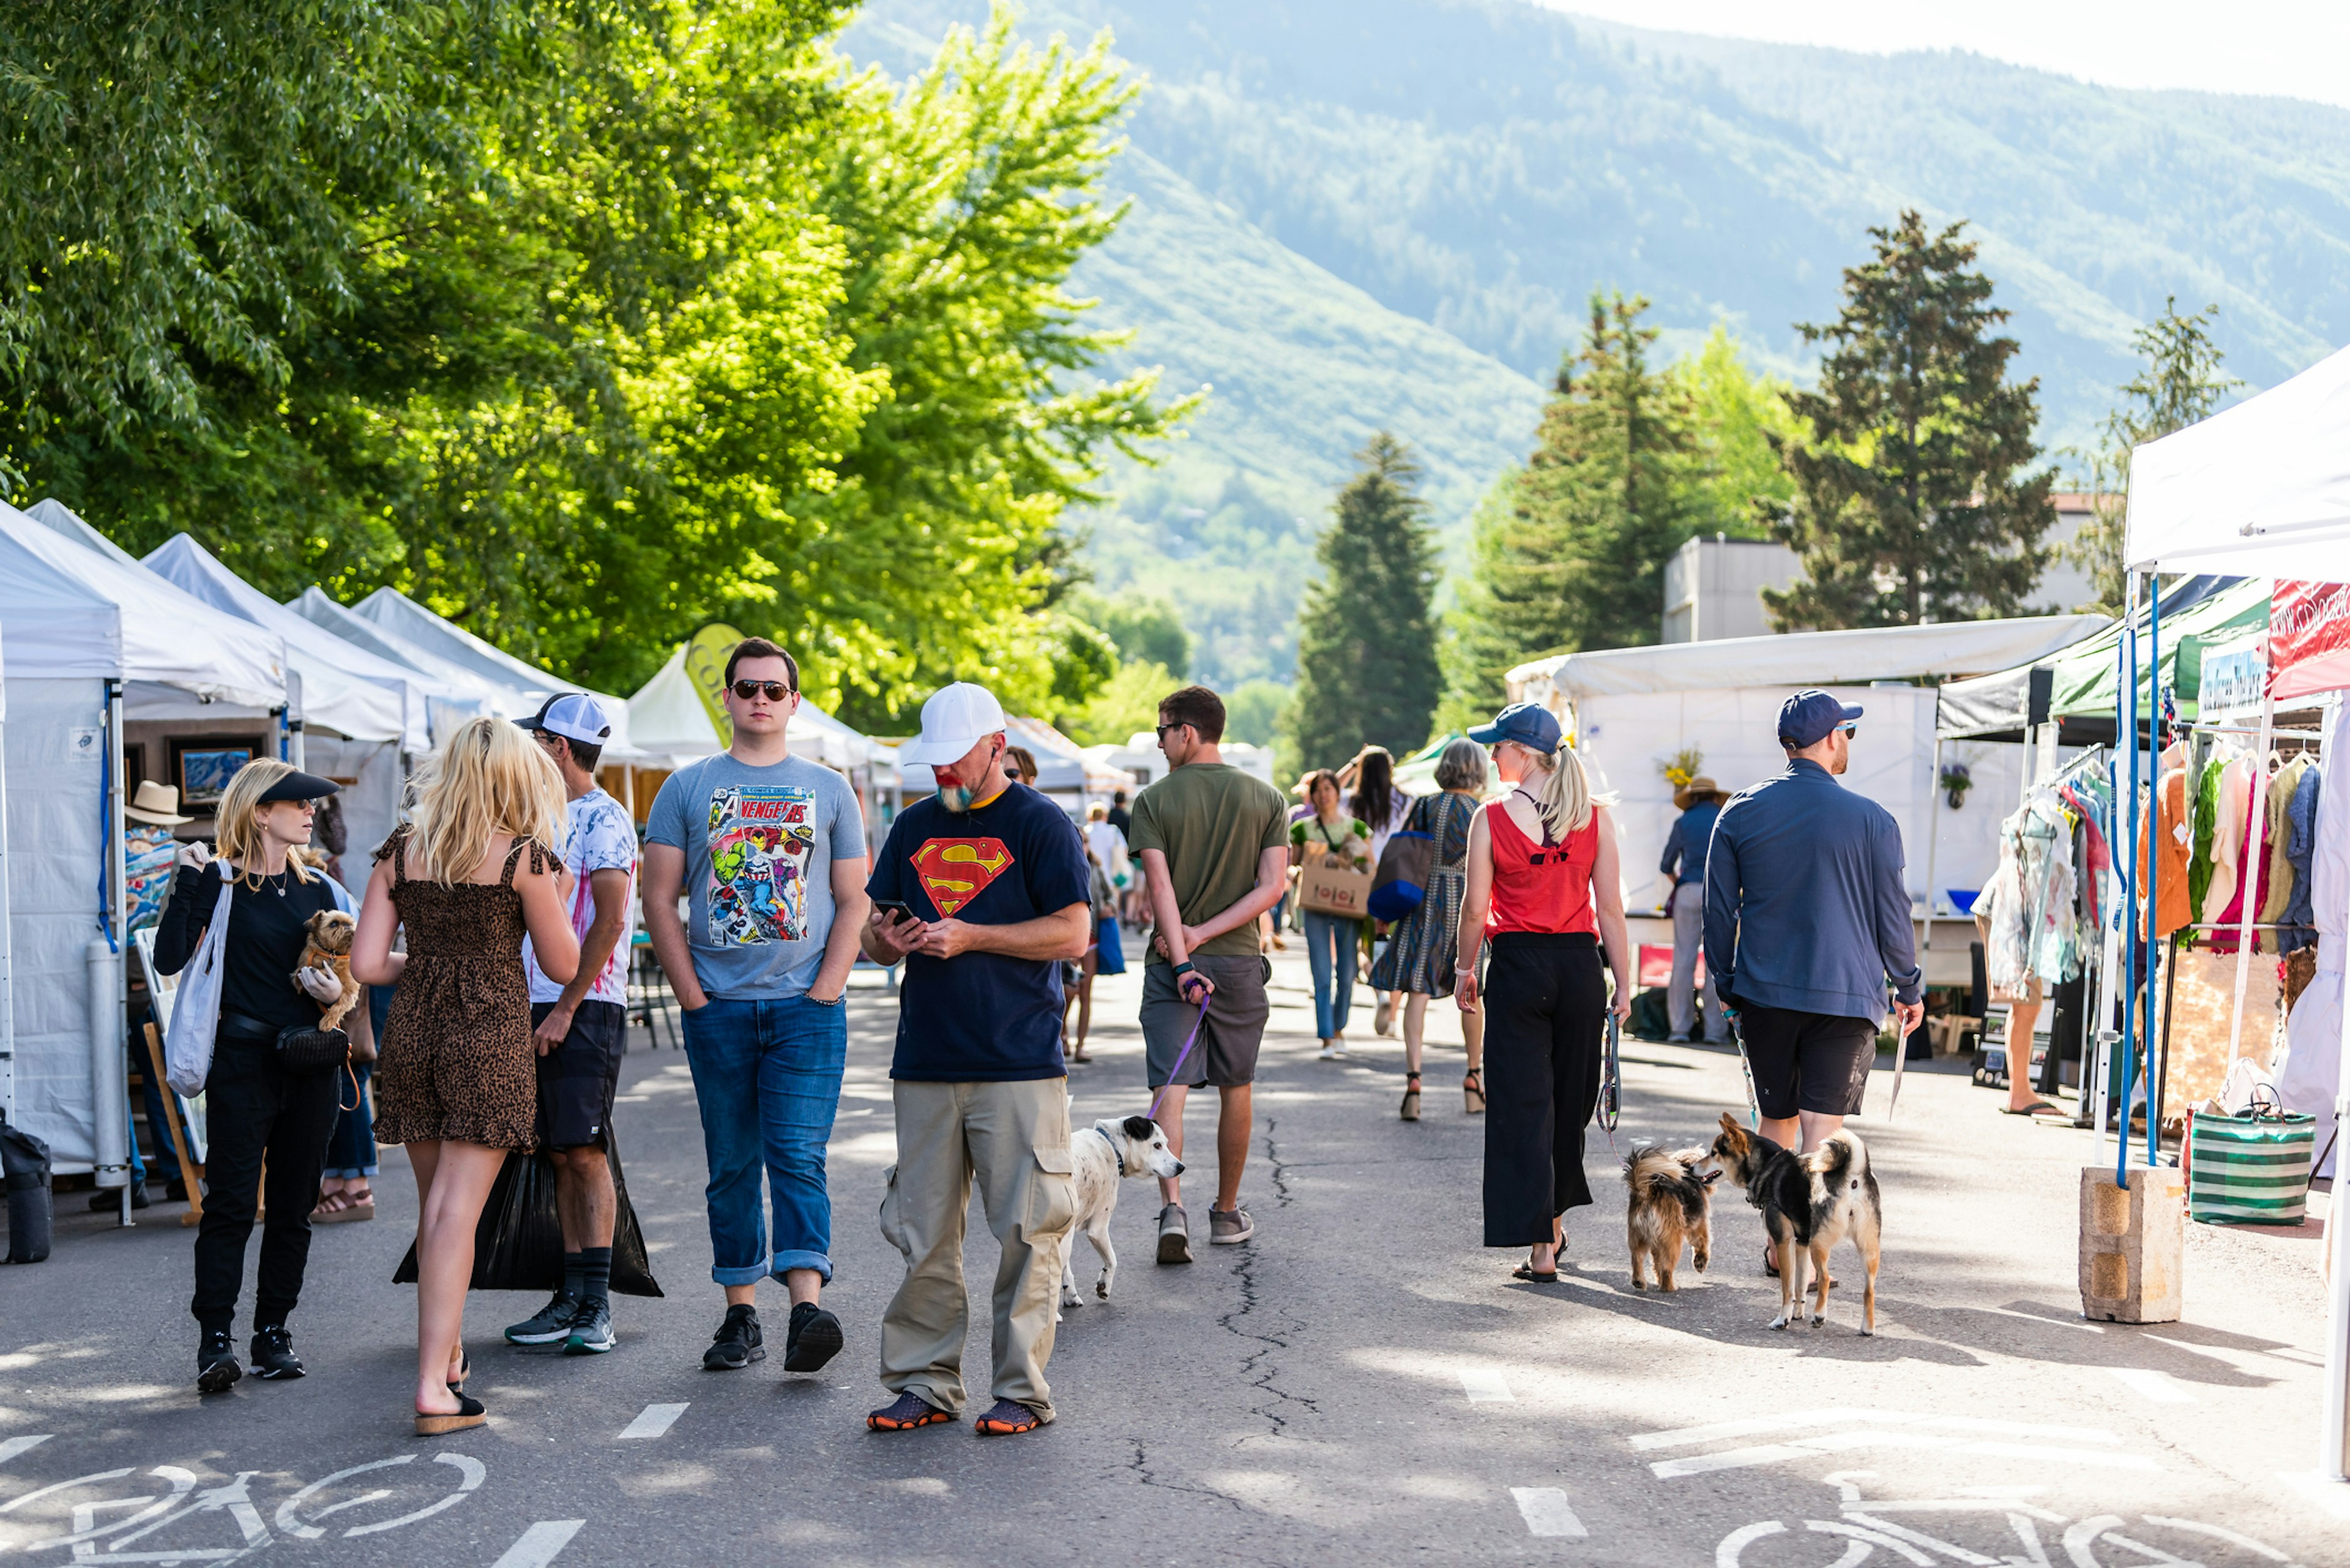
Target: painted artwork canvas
column 205, row 773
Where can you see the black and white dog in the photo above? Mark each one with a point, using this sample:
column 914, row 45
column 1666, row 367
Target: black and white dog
column 1112, row 1148
column 1809, row 1203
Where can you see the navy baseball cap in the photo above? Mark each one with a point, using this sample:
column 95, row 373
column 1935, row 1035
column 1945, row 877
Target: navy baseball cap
column 1530, row 724
column 1806, row 719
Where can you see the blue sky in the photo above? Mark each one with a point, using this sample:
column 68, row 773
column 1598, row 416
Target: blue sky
column 2297, row 48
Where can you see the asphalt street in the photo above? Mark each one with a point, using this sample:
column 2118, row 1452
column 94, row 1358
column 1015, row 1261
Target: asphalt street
column 1362, row 1382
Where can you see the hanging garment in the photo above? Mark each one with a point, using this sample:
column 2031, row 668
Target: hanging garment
column 2230, row 800
column 2309, row 1075
column 2229, row 918
column 2005, row 933
column 2204, row 819
column 2173, row 906
column 2298, row 918
column 2276, row 809
column 2045, row 869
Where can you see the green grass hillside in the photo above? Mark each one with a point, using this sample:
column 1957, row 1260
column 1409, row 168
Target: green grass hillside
column 1361, row 212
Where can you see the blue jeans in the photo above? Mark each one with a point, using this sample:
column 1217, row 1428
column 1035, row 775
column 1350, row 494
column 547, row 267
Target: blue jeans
column 1332, row 943
column 767, row 1074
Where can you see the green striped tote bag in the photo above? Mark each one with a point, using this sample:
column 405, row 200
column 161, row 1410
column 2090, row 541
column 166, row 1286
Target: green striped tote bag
column 2251, row 1169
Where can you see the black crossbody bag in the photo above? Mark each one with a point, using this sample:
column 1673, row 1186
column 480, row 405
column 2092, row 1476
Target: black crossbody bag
column 302, row 1050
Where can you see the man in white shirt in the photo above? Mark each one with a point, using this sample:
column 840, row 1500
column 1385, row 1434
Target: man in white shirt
column 581, row 1029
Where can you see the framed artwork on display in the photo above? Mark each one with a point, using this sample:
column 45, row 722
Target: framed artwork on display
column 204, row 764
column 134, row 766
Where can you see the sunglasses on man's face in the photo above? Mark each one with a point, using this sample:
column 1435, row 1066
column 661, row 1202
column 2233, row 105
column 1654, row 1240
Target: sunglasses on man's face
column 1849, row 730
column 773, row 690
column 1164, row 728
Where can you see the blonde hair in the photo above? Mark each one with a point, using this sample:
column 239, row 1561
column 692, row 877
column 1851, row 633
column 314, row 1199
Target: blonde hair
column 1568, row 802
column 488, row 778
column 237, row 825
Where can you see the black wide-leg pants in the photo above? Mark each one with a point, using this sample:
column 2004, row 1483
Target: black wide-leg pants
column 1546, row 999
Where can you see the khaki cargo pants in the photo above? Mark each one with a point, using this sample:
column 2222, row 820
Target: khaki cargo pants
column 1014, row 1139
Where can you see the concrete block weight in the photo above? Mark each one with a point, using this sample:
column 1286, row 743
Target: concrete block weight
column 2132, row 1239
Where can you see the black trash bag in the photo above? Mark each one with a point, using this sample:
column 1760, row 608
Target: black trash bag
column 518, row 1245
column 1651, row 1018
column 32, row 1215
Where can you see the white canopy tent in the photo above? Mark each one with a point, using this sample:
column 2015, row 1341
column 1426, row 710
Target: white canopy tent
column 455, row 694
column 93, row 639
column 2262, row 490
column 1633, row 708
column 446, row 640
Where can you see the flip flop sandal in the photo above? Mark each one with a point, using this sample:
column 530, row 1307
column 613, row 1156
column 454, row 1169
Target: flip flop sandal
column 331, row 1212
column 1532, row 1275
column 2037, row 1108
column 1008, row 1418
column 909, row 1411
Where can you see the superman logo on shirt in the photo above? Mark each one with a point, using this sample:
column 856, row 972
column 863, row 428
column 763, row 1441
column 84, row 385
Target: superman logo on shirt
column 954, row 871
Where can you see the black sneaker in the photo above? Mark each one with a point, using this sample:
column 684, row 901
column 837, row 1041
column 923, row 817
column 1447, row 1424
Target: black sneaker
column 553, row 1324
column 591, row 1330
column 217, row 1367
column 737, row 1344
column 272, row 1353
column 813, row 1340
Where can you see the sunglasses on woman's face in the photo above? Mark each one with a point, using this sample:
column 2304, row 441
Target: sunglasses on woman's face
column 774, row 691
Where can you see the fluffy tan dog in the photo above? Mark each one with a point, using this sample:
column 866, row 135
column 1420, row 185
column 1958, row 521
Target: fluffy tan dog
column 329, row 946
column 1670, row 1208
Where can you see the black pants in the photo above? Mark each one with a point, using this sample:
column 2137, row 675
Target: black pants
column 1545, row 1016
column 252, row 1110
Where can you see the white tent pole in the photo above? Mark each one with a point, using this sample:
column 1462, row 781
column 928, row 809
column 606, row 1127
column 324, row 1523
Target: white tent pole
column 2247, row 879
column 1933, row 839
column 2332, row 1440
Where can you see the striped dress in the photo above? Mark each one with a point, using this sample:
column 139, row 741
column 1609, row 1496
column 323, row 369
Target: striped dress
column 1421, row 953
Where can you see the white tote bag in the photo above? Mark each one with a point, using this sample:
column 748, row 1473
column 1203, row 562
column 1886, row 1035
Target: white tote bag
column 196, row 1002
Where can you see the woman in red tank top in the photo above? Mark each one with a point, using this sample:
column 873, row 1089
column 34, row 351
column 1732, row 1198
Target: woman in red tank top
column 1543, row 895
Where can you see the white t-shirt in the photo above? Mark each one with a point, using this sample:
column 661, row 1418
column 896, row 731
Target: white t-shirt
column 598, row 836
column 1108, row 845
column 1399, row 813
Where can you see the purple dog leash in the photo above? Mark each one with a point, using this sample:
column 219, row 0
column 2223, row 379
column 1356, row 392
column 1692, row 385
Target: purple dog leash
column 1180, row 1057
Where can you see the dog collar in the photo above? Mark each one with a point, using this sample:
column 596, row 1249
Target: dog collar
column 1116, row 1153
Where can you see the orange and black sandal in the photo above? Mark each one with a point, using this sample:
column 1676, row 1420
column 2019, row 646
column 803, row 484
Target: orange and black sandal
column 1009, row 1418
column 909, row 1411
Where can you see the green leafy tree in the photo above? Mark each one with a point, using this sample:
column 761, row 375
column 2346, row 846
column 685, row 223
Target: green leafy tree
column 1911, row 504
column 1145, row 627
column 2182, row 383
column 1735, row 413
column 1366, row 661
column 1569, row 552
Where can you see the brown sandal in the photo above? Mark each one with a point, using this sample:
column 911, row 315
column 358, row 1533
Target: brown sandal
column 1411, row 1097
column 1473, row 1092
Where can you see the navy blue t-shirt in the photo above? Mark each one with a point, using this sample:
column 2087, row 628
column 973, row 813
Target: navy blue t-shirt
column 981, row 1017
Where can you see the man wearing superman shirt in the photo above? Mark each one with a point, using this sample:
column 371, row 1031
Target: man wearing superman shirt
column 982, row 891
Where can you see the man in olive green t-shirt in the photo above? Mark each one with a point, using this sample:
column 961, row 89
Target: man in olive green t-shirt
column 1214, row 847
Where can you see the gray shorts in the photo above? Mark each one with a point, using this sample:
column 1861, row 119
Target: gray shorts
column 1225, row 1057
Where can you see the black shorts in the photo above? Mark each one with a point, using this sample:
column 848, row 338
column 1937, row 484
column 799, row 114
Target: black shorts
column 578, row 1079
column 1815, row 1062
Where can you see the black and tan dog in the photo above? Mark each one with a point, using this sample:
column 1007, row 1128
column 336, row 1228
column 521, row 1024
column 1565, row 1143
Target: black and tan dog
column 1809, row 1203
column 1671, row 1206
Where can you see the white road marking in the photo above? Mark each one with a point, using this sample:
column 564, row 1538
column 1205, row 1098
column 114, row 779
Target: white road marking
column 1683, row 1436
column 1546, row 1511
column 2158, row 1386
column 11, row 1447
column 1485, row 1385
column 653, row 1420
column 539, row 1543
column 1841, row 1442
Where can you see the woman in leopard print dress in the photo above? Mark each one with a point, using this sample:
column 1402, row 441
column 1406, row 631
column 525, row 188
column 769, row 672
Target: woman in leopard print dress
column 468, row 877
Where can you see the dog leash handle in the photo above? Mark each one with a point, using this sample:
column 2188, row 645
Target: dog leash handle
column 1180, row 1057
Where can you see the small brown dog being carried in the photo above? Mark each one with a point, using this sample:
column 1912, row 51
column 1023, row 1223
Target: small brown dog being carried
column 1809, row 1203
column 1671, row 1206
column 329, row 946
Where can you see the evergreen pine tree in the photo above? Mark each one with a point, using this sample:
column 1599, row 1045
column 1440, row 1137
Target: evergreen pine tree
column 1366, row 661
column 1568, row 553
column 1910, row 502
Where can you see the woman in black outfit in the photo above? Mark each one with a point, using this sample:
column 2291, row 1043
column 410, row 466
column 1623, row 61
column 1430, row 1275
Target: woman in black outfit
column 253, row 1108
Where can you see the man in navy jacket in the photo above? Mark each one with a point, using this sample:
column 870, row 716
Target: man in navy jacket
column 1806, row 921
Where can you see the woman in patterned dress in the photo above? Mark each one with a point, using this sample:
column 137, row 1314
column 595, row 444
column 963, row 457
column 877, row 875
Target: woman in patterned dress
column 1419, row 956
column 468, row 876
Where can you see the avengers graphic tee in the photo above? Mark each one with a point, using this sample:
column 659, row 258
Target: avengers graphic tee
column 759, row 845
column 981, row 1017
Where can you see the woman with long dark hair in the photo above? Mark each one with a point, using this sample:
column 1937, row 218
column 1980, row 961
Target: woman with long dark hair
column 254, row 1108
column 1543, row 896
column 1380, row 806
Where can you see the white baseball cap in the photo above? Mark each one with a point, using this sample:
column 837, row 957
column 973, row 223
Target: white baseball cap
column 954, row 720
column 574, row 715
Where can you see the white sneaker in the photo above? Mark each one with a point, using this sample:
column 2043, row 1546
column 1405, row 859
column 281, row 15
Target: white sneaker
column 1331, row 1052
column 1385, row 1015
